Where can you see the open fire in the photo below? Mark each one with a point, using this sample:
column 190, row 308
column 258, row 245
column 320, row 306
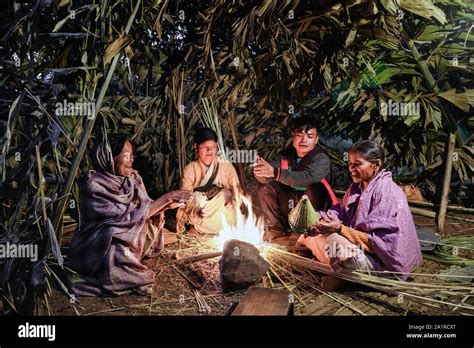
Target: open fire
column 248, row 228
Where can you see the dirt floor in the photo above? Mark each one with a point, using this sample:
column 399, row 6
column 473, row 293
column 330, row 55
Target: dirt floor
column 186, row 289
column 175, row 291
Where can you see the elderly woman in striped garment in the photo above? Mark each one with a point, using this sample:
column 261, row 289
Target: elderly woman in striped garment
column 372, row 228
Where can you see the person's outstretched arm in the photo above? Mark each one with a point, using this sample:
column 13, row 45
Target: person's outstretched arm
column 168, row 200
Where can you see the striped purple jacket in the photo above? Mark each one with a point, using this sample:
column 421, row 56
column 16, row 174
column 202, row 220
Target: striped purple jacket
column 382, row 211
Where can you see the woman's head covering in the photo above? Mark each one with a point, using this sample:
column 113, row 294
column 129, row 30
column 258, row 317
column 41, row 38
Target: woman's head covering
column 105, row 151
column 102, row 158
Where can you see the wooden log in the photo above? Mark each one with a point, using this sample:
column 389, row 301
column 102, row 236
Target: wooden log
column 264, row 301
column 200, row 257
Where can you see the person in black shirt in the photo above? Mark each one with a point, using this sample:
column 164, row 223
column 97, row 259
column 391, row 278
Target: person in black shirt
column 301, row 169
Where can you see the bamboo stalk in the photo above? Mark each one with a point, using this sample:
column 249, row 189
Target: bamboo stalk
column 423, row 212
column 355, row 276
column 156, row 303
column 41, row 182
column 166, row 164
column 464, row 299
column 333, row 297
column 393, row 287
column 451, row 136
column 180, row 137
column 427, row 204
column 432, row 214
column 182, row 145
column 429, row 213
column 449, row 207
column 446, row 181
column 65, row 192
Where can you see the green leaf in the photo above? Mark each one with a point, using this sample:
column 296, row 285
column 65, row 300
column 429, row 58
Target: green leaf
column 410, row 120
column 63, row 21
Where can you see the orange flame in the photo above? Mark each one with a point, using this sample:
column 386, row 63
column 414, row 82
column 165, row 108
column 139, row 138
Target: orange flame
column 248, row 229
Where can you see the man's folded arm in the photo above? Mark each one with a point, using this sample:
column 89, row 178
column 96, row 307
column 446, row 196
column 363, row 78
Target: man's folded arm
column 318, row 169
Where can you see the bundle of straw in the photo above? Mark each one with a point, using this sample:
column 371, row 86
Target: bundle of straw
column 210, row 118
column 440, row 297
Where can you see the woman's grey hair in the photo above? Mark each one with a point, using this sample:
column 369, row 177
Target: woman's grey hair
column 370, row 151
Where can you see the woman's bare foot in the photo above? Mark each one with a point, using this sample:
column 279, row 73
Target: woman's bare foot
column 330, row 283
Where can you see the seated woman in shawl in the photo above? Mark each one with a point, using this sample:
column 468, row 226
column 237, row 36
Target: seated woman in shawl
column 115, row 231
column 214, row 182
column 372, row 228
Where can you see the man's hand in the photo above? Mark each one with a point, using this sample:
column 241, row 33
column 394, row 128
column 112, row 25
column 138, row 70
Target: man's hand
column 229, row 205
column 263, row 169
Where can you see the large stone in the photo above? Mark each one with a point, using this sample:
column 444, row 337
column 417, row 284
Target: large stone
column 241, row 265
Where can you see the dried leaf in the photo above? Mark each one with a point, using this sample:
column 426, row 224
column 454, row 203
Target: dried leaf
column 55, row 249
column 424, row 8
column 116, row 47
column 462, row 100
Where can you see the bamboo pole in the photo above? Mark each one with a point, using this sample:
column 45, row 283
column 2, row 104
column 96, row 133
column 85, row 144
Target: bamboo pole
column 450, row 144
column 432, row 214
column 85, row 137
column 428, row 213
column 423, row 212
column 449, row 207
column 166, row 165
column 451, row 136
column 446, row 182
column 180, row 136
column 427, row 204
column 389, row 286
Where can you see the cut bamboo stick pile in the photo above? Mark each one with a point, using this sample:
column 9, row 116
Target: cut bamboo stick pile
column 436, row 206
column 432, row 214
column 429, row 213
column 203, row 307
column 422, row 293
column 428, row 205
